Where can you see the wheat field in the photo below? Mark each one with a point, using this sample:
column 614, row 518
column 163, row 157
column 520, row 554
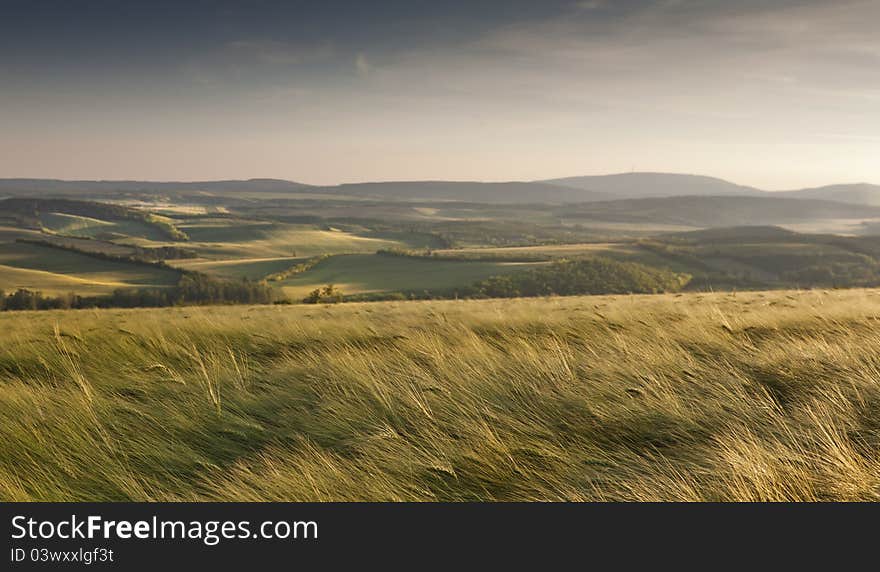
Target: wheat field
column 763, row 396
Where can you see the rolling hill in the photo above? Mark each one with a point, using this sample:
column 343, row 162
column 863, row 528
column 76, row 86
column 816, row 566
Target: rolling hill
column 470, row 191
column 41, row 187
column 716, row 211
column 54, row 271
column 644, row 185
column 858, row 193
column 561, row 190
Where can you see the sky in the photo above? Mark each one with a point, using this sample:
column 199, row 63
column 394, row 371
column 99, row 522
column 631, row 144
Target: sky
column 777, row 95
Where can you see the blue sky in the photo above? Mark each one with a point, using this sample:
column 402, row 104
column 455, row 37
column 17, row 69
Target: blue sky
column 774, row 94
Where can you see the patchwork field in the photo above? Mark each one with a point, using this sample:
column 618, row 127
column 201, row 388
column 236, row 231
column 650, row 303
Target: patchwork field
column 222, row 239
column 54, row 271
column 83, row 226
column 761, row 396
column 371, row 273
column 250, row 268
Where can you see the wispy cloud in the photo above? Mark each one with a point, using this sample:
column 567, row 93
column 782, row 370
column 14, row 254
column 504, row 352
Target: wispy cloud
column 739, row 89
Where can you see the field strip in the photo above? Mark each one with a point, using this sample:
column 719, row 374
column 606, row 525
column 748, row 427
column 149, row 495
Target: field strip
column 58, row 276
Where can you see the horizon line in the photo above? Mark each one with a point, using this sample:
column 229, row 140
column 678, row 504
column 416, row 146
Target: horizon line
column 399, row 181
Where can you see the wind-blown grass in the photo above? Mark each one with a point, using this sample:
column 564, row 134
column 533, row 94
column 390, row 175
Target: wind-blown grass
column 758, row 396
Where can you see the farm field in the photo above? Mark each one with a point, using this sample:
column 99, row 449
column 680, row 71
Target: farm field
column 223, row 239
column 51, row 270
column 88, row 227
column 250, row 268
column 372, row 273
column 761, row 396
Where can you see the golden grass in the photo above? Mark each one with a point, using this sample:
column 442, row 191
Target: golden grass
column 732, row 397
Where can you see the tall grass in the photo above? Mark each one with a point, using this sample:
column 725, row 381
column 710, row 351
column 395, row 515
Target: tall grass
column 758, row 396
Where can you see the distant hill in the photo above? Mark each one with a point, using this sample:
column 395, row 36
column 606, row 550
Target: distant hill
column 716, row 211
column 644, row 185
column 553, row 191
column 468, row 191
column 859, row 193
column 36, row 187
column 735, row 234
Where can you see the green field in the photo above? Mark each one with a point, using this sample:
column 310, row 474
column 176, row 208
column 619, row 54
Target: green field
column 223, row 239
column 51, row 270
column 763, row 396
column 371, row 273
column 83, row 226
column 250, row 268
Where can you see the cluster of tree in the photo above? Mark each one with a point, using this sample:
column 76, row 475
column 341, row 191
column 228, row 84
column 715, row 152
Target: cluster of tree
column 198, row 288
column 166, row 227
column 23, row 299
column 329, row 294
column 157, row 253
column 585, row 276
column 472, row 256
column 405, row 253
column 563, row 278
column 150, row 255
column 297, row 268
column 675, row 254
column 192, row 289
column 835, row 275
column 769, row 257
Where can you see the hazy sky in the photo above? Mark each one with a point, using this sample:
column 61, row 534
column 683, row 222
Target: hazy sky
column 776, row 94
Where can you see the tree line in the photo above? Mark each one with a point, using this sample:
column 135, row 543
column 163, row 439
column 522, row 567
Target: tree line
column 153, row 255
column 193, row 288
column 564, row 277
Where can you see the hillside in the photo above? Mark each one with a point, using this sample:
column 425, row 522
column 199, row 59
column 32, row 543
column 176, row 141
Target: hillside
column 860, row 193
column 717, row 211
column 471, row 191
column 561, row 190
column 41, row 187
column 646, row 185
column 372, row 273
column 55, row 271
column 763, row 396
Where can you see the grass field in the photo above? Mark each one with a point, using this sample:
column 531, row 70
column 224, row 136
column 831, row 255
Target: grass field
column 87, row 227
column 53, row 271
column 224, row 239
column 369, row 273
column 49, row 283
column 250, row 268
column 757, row 396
